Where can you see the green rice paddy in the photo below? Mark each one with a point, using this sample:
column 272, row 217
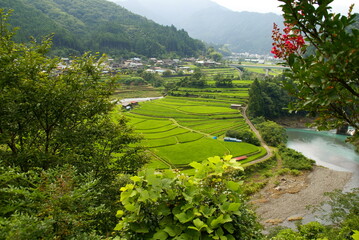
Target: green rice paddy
column 190, row 127
column 178, row 131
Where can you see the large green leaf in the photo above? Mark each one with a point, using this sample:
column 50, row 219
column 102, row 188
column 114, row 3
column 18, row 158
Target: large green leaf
column 222, row 219
column 185, row 217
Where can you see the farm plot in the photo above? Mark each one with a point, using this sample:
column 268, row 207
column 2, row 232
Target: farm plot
column 182, row 154
column 178, row 131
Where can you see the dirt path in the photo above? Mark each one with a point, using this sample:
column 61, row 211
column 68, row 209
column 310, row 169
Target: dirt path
column 256, row 132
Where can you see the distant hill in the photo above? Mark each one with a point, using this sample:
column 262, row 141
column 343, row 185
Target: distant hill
column 98, row 25
column 210, row 22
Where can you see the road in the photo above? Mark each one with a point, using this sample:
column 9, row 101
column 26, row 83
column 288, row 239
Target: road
column 256, row 132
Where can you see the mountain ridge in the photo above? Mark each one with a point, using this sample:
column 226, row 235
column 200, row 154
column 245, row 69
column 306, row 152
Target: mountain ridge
column 98, row 25
column 212, row 23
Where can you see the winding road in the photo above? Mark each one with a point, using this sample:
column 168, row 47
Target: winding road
column 256, row 132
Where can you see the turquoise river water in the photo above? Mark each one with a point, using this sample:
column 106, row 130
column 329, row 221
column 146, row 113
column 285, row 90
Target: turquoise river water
column 327, row 149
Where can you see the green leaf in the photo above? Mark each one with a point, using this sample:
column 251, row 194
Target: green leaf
column 233, row 207
column 356, row 235
column 172, row 231
column 220, row 232
column 120, row 213
column 183, row 217
column 291, row 59
column 229, row 227
column 234, row 186
column 135, row 179
column 119, row 226
column 130, row 207
column 230, row 237
column 196, row 165
column 144, row 195
column 224, row 207
column 222, row 198
column 159, row 235
column 199, row 224
column 214, row 160
column 220, row 220
column 163, row 209
column 207, row 211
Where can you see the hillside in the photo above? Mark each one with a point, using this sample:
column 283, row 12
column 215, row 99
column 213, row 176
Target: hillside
column 98, row 25
column 210, row 22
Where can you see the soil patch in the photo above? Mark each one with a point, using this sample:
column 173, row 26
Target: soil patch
column 286, row 198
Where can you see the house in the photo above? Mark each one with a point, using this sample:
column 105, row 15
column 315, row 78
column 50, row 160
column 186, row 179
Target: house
column 129, row 105
column 236, row 106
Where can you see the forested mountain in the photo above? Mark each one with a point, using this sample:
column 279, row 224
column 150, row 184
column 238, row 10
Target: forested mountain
column 97, row 25
column 210, row 22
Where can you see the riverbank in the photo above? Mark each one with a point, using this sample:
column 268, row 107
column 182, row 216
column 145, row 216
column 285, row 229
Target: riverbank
column 285, row 201
column 295, row 121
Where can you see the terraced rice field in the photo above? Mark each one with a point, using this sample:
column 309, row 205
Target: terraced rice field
column 178, row 130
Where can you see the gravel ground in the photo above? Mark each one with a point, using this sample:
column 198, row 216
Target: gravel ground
column 284, row 201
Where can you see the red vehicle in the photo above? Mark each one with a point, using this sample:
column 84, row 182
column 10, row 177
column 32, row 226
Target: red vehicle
column 240, row 158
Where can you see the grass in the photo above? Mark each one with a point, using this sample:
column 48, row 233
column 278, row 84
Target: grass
column 173, row 132
column 160, row 142
column 208, row 110
column 152, row 124
column 189, row 137
column 136, row 92
column 175, row 129
column 183, row 154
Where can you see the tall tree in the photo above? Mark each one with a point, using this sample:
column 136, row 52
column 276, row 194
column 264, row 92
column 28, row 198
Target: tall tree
column 61, row 152
column 51, row 117
column 256, row 100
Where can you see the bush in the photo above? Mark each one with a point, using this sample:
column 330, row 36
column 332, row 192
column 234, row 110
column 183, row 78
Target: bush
column 288, row 234
column 272, row 133
column 245, row 135
column 295, row 160
column 57, row 203
column 312, row 230
column 170, row 204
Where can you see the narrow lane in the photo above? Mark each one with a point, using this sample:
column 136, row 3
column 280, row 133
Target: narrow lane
column 256, row 132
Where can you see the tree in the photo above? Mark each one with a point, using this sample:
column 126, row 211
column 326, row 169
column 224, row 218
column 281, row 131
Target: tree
column 326, row 82
column 216, row 56
column 256, row 100
column 61, row 151
column 272, row 133
column 245, row 135
column 167, row 73
column 51, row 117
column 223, row 81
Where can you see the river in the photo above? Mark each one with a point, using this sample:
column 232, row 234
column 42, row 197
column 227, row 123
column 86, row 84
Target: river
column 327, row 149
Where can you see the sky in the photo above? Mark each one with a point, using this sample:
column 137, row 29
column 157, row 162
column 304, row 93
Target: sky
column 265, row 6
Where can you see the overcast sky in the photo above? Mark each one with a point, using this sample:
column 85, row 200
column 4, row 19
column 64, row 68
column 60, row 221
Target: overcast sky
column 264, row 6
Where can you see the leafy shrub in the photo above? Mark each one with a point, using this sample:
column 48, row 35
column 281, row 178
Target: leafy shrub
column 57, row 203
column 253, row 187
column 245, row 135
column 288, row 234
column 312, row 230
column 170, row 204
column 295, row 160
column 272, row 133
